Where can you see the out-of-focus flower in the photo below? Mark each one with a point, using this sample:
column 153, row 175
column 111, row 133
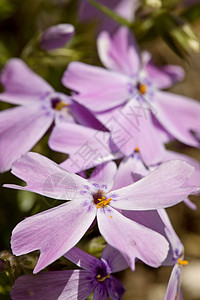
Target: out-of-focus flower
column 96, row 277
column 39, row 105
column 56, row 36
column 124, row 8
column 57, row 230
column 132, row 84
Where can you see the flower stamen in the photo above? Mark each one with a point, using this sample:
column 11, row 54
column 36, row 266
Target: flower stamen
column 142, row 88
column 182, row 262
column 99, row 278
column 60, row 105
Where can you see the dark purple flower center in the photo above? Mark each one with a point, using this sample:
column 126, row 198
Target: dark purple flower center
column 102, row 274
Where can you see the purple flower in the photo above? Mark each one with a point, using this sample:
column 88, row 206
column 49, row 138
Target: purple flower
column 96, row 277
column 57, row 230
column 39, row 105
column 132, row 83
column 56, row 36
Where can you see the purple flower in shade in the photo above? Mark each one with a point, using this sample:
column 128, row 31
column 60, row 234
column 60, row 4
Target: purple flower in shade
column 57, row 230
column 56, row 36
column 132, row 84
column 96, row 277
column 124, row 8
column 39, row 105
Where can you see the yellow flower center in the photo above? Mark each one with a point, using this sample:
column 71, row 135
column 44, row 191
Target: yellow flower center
column 142, row 88
column 60, row 105
column 100, row 200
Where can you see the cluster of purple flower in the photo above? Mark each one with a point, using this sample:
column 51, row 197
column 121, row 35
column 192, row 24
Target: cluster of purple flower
column 115, row 113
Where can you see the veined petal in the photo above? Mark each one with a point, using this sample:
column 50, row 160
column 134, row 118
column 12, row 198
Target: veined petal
column 45, row 177
column 163, row 187
column 132, row 239
column 87, row 147
column 98, row 89
column 119, row 52
column 83, row 259
column 20, row 129
column 21, row 84
column 55, row 285
column 53, row 232
column 173, row 288
column 115, row 288
column 100, row 292
column 179, row 115
column 162, row 77
column 105, row 173
column 114, row 259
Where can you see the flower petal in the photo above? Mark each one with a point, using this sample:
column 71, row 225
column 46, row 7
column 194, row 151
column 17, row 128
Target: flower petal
column 100, row 292
column 45, row 177
column 161, row 188
column 132, row 239
column 83, row 259
column 162, row 77
column 87, row 147
column 114, row 259
column 21, row 84
column 119, row 52
column 98, row 89
column 179, row 115
column 131, row 169
column 20, row 129
column 62, row 285
column 53, row 232
column 105, row 173
column 115, row 288
column 173, row 288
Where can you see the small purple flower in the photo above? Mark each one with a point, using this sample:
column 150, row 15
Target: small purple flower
column 133, row 84
column 57, row 230
column 56, row 36
column 39, row 105
column 96, row 277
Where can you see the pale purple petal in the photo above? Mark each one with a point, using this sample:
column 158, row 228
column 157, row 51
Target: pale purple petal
column 131, row 169
column 87, row 147
column 20, row 129
column 114, row 259
column 179, row 115
column 53, row 232
column 161, row 188
column 105, row 173
column 119, row 52
column 100, row 292
column 173, row 288
column 132, row 239
column 62, row 285
column 57, row 36
column 83, row 259
column 162, row 77
column 45, row 177
column 21, row 84
column 98, row 89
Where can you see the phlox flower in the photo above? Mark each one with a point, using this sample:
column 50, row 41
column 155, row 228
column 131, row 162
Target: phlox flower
column 57, row 230
column 132, row 85
column 95, row 276
column 38, row 106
